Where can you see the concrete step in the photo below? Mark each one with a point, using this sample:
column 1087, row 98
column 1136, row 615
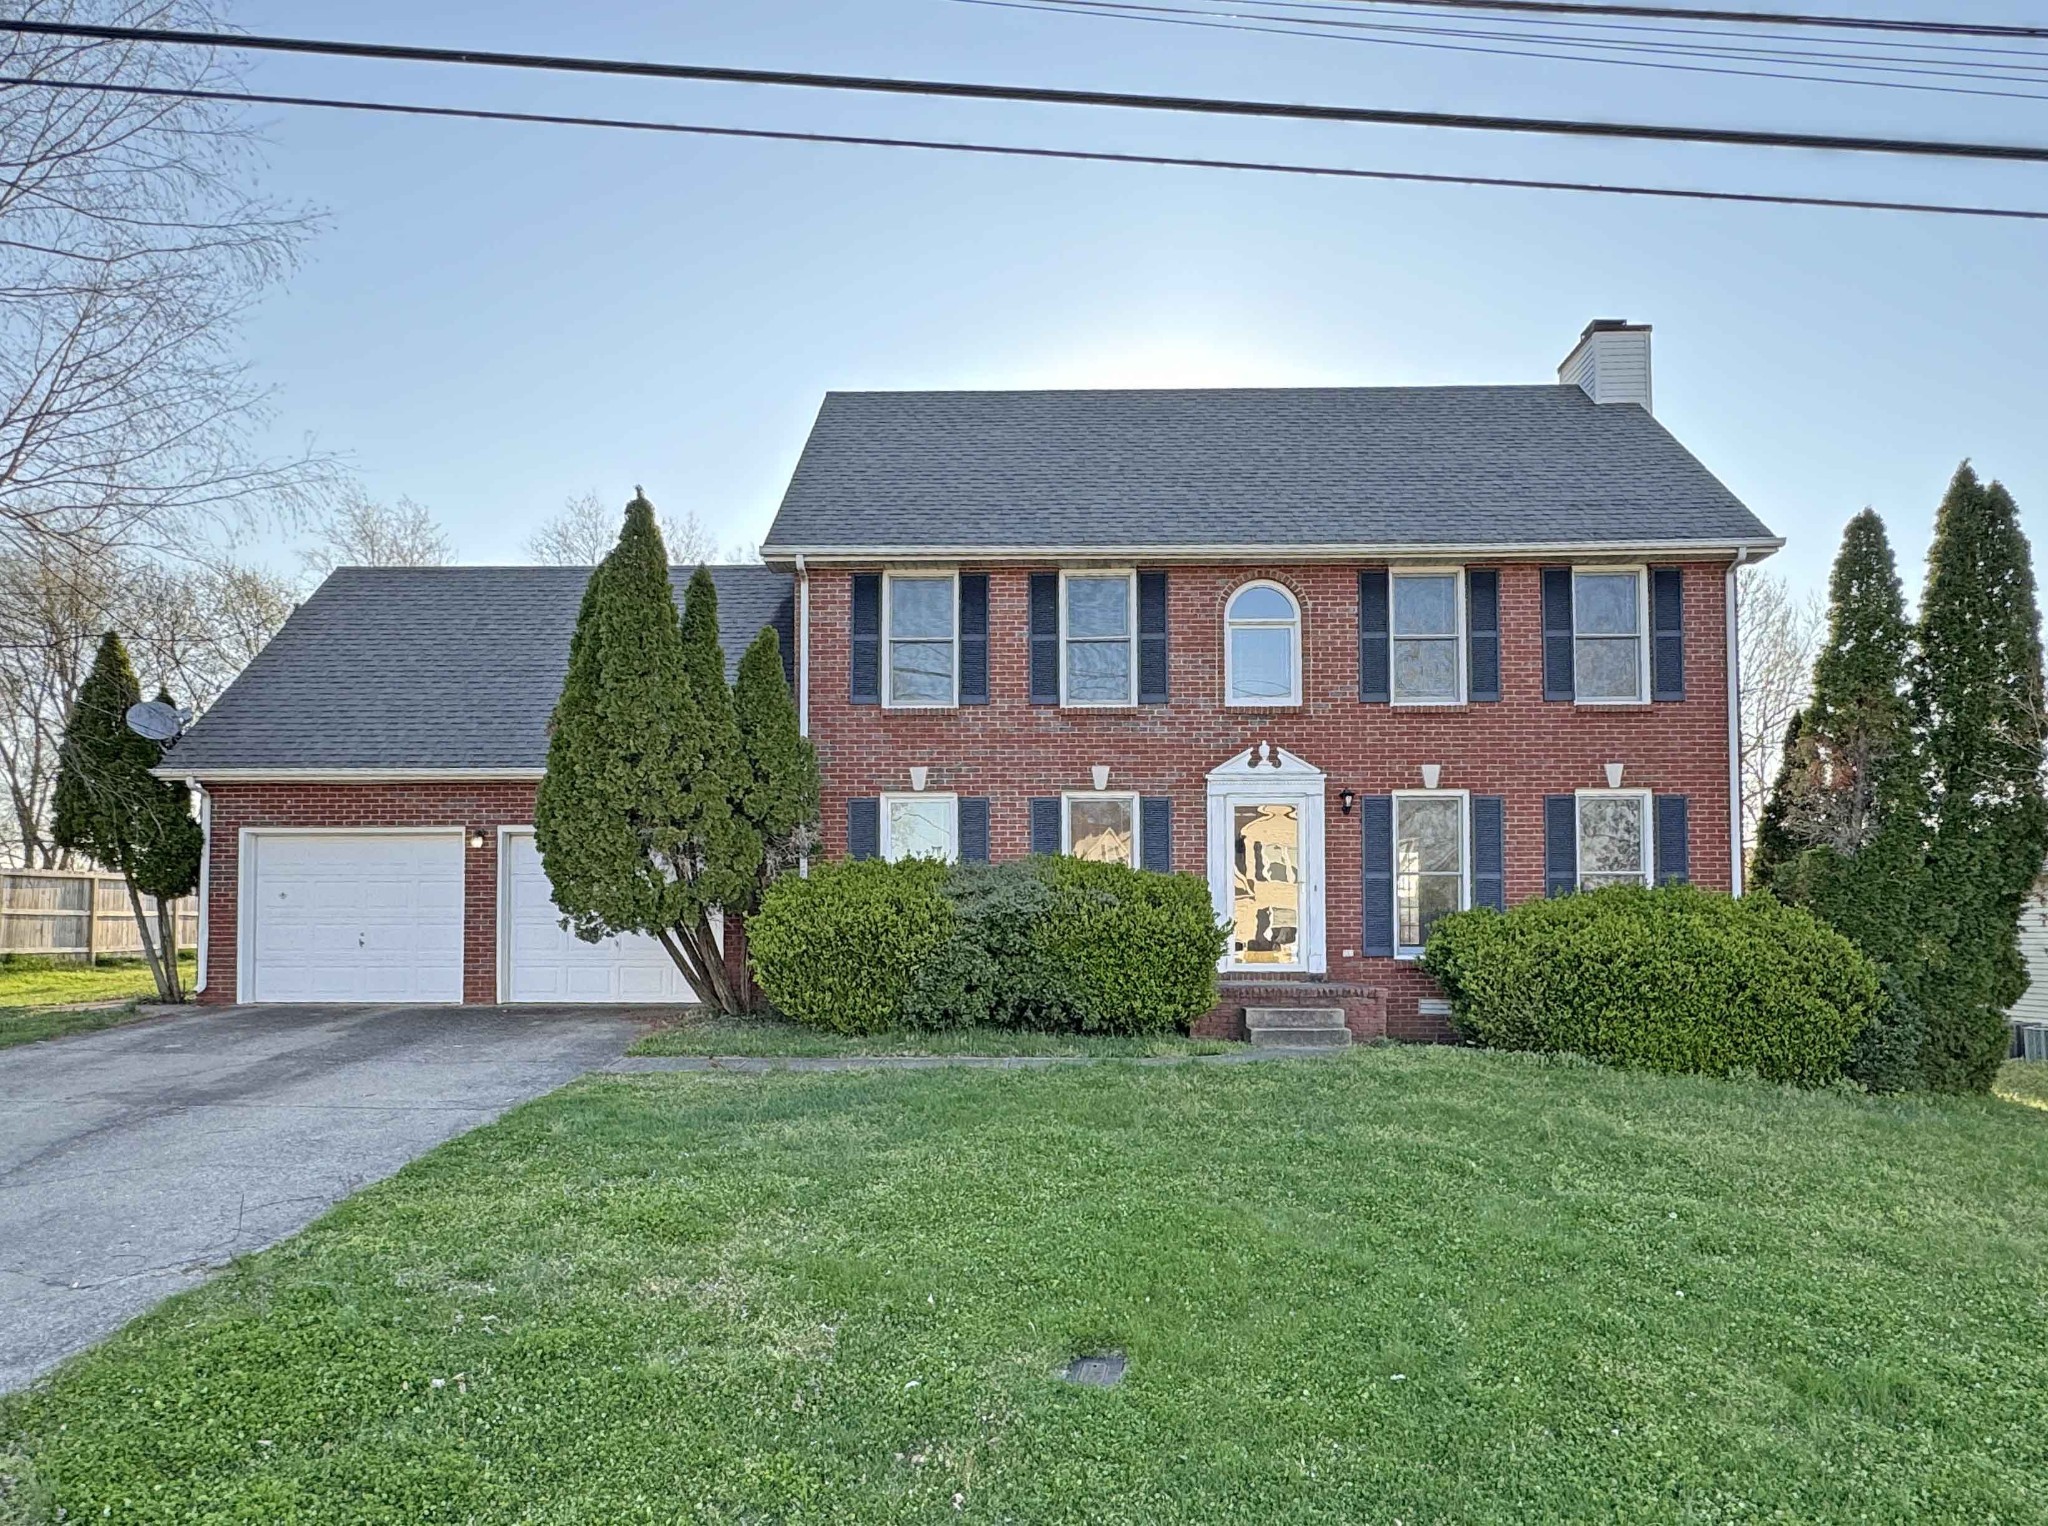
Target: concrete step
column 1294, row 1017
column 1299, row 1038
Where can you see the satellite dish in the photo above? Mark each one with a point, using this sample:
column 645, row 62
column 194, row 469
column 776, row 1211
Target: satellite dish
column 156, row 720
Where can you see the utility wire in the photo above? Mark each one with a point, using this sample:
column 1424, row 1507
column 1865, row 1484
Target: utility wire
column 1746, row 18
column 1337, row 172
column 1164, row 15
column 1046, row 96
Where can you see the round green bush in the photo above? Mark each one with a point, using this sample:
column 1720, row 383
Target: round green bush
column 1121, row 950
column 842, row 947
column 1671, row 979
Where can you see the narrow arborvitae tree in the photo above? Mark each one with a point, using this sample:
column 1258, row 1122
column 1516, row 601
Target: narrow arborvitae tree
column 1774, row 844
column 780, row 798
column 108, row 806
column 1977, row 699
column 633, row 819
column 1849, row 840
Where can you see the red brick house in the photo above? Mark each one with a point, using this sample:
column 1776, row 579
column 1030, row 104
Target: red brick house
column 1357, row 656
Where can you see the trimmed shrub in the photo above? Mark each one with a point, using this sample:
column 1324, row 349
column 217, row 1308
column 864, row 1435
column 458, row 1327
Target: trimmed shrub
column 842, row 947
column 1886, row 1054
column 1050, row 943
column 1671, row 979
column 1126, row 951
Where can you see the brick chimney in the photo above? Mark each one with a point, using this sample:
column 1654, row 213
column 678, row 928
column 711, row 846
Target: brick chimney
column 1611, row 362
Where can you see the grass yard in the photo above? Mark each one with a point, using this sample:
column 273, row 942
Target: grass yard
column 2024, row 1083
column 705, row 1032
column 1408, row 1284
column 33, row 996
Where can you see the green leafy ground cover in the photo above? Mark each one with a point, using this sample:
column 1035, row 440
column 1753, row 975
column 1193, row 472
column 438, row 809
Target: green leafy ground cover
column 1407, row 1284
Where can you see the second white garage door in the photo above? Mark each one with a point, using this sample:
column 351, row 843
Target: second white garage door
column 352, row 916
column 543, row 961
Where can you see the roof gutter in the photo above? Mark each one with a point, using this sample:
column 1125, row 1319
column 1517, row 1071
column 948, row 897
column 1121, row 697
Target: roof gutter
column 1742, row 552
column 172, row 769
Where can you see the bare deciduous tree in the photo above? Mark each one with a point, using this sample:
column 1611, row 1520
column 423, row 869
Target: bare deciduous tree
column 131, row 246
column 583, row 531
column 358, row 531
column 190, row 625
column 1780, row 638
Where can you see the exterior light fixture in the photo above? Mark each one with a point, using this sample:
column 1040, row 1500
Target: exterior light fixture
column 476, row 837
column 1346, row 799
column 918, row 774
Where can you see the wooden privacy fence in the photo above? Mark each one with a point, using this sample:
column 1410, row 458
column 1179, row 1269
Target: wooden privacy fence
column 78, row 912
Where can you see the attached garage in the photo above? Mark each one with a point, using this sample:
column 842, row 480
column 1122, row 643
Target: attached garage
column 540, row 960
column 351, row 915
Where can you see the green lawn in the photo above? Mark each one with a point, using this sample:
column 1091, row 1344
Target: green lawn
column 704, row 1032
column 32, row 996
column 1408, row 1284
column 2026, row 1084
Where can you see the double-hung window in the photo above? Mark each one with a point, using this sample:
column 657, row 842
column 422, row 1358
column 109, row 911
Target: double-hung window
column 1432, row 865
column 1614, row 838
column 920, row 826
column 1102, row 828
column 1098, row 638
column 921, row 652
column 1428, row 649
column 1610, row 652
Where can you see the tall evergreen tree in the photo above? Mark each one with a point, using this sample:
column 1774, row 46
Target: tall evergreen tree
column 108, row 806
column 1977, row 697
column 1774, row 844
column 780, row 799
column 634, row 819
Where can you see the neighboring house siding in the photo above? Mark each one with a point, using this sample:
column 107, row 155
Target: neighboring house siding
column 2033, row 1007
column 1522, row 748
column 482, row 807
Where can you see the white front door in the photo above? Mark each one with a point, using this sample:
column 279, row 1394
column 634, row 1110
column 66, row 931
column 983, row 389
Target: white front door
column 540, row 960
column 1266, row 861
column 352, row 916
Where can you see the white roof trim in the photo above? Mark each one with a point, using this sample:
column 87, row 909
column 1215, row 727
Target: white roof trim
column 1742, row 551
column 169, row 769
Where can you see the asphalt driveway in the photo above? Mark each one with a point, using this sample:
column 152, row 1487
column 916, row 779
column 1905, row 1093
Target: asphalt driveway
column 135, row 1160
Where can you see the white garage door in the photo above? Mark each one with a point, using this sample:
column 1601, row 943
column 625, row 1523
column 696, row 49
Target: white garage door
column 544, row 961
column 353, row 916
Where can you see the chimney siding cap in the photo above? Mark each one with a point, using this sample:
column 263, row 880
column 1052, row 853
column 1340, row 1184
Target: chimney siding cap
column 1611, row 362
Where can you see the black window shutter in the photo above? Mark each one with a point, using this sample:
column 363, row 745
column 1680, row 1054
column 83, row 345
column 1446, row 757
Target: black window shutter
column 1151, row 638
column 1045, row 638
column 974, row 638
column 973, row 829
column 1155, row 834
column 864, row 827
column 1489, row 852
column 1558, row 680
column 1375, row 653
column 1667, row 633
column 1376, row 876
column 866, row 653
column 1674, row 852
column 1560, row 844
column 1045, row 824
column 1482, row 634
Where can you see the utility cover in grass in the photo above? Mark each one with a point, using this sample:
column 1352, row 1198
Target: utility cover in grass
column 1099, row 1369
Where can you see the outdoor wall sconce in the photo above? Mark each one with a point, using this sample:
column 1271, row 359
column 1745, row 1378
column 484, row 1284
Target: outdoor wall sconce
column 476, row 838
column 918, row 774
column 1614, row 776
column 1431, row 772
column 1101, row 775
column 1346, row 799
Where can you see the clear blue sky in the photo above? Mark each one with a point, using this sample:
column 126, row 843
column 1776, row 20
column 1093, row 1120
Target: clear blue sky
column 500, row 316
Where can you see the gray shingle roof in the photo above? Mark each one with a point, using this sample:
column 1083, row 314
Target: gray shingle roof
column 431, row 667
column 1277, row 468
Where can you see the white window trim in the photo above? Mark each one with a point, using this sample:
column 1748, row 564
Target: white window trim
column 1293, row 628
column 1459, row 637
column 1067, row 799
column 1130, row 575
column 1464, row 799
column 1649, row 854
column 931, row 575
column 886, row 848
column 1641, row 572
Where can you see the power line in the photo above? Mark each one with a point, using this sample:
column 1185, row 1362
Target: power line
column 1047, row 96
column 1004, row 150
column 1289, row 26
column 1746, row 18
